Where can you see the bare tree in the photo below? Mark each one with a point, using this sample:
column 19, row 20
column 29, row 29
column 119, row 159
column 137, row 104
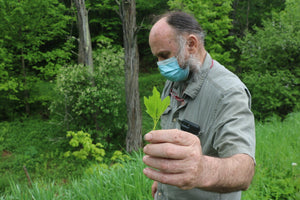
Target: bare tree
column 127, row 12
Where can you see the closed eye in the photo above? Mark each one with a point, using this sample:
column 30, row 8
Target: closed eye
column 163, row 55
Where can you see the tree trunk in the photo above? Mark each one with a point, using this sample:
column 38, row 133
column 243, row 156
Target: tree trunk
column 247, row 20
column 85, row 56
column 85, row 45
column 134, row 133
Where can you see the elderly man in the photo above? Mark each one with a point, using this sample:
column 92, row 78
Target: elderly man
column 206, row 147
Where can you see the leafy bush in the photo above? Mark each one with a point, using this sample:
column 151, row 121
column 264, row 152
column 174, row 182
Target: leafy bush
column 270, row 63
column 276, row 45
column 272, row 93
column 93, row 101
column 32, row 51
column 85, row 148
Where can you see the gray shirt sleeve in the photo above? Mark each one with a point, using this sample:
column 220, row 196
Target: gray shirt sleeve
column 234, row 127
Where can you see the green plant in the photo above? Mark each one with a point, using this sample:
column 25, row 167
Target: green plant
column 270, row 63
column 85, row 148
column 33, row 48
column 277, row 160
column 93, row 101
column 118, row 156
column 126, row 182
column 276, row 175
column 272, row 93
column 155, row 106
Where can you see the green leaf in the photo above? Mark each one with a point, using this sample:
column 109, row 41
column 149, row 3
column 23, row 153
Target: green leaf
column 155, row 106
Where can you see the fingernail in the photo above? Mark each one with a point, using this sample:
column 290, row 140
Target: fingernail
column 148, row 136
column 144, row 158
column 146, row 170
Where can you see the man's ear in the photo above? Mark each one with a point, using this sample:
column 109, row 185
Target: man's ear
column 193, row 44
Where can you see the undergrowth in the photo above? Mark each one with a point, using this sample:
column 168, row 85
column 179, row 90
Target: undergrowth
column 277, row 172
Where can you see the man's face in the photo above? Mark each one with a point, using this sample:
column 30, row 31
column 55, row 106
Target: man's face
column 164, row 44
column 162, row 41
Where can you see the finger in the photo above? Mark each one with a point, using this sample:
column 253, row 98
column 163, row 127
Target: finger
column 166, row 165
column 167, row 150
column 154, row 188
column 180, row 180
column 174, row 136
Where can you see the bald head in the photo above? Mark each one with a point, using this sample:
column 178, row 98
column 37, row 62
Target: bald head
column 163, row 40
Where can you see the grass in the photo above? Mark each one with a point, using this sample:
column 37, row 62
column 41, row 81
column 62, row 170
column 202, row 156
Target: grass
column 32, row 143
column 277, row 172
column 278, row 160
column 125, row 181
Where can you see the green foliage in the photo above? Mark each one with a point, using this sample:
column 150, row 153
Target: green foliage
column 146, row 84
column 247, row 14
column 276, row 45
column 277, row 160
column 272, row 93
column 87, row 101
column 104, row 21
column 213, row 16
column 33, row 48
column 84, row 146
column 276, row 175
column 34, row 143
column 147, row 81
column 126, row 182
column 270, row 63
column 155, row 106
column 118, row 156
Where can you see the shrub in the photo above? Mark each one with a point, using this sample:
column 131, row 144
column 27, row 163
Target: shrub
column 84, row 147
column 93, row 101
column 270, row 63
column 272, row 93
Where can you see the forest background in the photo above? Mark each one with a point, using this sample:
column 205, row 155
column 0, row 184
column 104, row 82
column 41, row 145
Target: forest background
column 55, row 121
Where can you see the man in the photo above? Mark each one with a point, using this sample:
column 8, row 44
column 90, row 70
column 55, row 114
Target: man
column 206, row 147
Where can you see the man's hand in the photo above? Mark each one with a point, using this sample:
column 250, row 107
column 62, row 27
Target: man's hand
column 177, row 156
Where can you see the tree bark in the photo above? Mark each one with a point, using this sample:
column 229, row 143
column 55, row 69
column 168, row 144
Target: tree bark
column 85, row 56
column 247, row 20
column 85, row 45
column 127, row 13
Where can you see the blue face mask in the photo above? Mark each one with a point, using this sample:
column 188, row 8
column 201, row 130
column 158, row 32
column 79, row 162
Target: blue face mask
column 170, row 69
